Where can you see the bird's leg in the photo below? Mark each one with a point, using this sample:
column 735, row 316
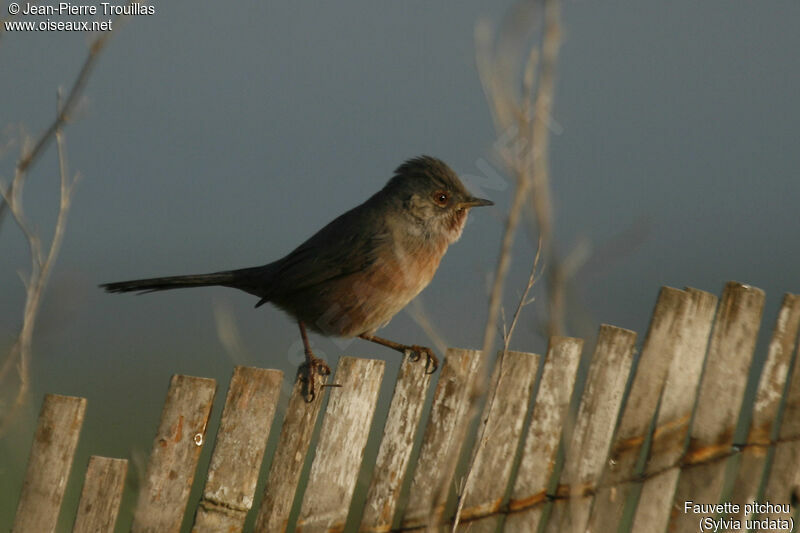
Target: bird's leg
column 314, row 365
column 431, row 361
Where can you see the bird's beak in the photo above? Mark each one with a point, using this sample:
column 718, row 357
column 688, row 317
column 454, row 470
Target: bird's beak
column 475, row 202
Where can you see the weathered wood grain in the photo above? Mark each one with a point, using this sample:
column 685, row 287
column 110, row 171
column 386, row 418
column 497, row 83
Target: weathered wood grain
column 681, row 388
column 49, row 463
column 790, row 422
column 668, row 324
column 238, row 450
column 394, row 453
column 776, row 369
column 287, row 462
column 594, row 427
column 343, row 437
column 176, row 449
column 101, row 495
column 667, row 327
column 767, row 401
column 540, row 449
column 675, row 411
column 499, row 434
column 449, row 410
column 655, row 502
column 783, row 481
column 719, row 400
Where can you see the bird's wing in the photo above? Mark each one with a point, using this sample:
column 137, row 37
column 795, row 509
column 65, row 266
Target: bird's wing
column 348, row 244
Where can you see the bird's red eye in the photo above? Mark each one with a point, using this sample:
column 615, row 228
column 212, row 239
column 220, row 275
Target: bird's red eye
column 441, row 197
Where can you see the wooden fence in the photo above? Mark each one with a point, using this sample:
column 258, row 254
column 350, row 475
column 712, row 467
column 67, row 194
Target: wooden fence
column 635, row 462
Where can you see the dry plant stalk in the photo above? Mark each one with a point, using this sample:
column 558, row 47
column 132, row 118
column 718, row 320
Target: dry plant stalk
column 523, row 128
column 523, row 299
column 62, row 117
column 41, row 267
column 42, row 261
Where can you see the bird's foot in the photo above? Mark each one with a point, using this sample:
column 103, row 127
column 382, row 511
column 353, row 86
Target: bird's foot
column 416, row 351
column 314, row 370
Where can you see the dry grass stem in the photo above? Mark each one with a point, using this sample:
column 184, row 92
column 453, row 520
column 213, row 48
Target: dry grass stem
column 41, row 268
column 42, row 261
column 524, row 299
column 523, row 126
column 30, row 156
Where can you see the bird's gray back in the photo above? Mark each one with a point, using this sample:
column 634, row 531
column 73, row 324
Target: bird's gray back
column 348, row 244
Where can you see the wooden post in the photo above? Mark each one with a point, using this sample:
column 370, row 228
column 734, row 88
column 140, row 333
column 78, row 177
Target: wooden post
column 499, row 434
column 674, row 413
column 540, row 450
column 101, row 495
column 397, row 443
column 176, row 450
column 239, row 448
column 594, row 427
column 287, row 462
column 343, row 437
column 767, row 401
column 450, row 403
column 719, row 400
column 49, row 463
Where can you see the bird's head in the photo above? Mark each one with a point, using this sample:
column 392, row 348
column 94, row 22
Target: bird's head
column 431, row 194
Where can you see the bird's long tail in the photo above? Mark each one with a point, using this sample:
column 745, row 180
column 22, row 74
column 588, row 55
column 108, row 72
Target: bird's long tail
column 228, row 278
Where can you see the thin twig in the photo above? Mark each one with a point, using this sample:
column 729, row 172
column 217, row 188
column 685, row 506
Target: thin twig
column 29, row 157
column 540, row 197
column 523, row 300
column 525, row 160
column 495, row 299
column 521, row 171
column 41, row 268
column 11, row 201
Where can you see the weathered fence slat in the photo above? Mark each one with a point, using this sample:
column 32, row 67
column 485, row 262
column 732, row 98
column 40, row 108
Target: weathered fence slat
column 719, row 400
column 503, row 415
column 540, row 449
column 655, row 501
column 674, row 413
column 449, row 410
column 683, row 378
column 396, row 445
column 101, row 495
column 176, row 450
column 784, row 475
column 49, row 463
column 238, row 450
column 767, row 401
column 288, row 459
column 343, row 437
column 667, row 325
column 594, row 427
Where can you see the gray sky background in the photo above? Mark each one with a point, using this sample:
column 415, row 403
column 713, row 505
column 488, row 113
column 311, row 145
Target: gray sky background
column 221, row 135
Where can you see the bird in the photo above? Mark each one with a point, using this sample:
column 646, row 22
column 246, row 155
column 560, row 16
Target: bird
column 352, row 276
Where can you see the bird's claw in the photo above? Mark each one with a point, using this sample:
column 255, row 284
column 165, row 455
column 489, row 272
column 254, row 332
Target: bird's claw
column 415, row 352
column 412, row 354
column 314, row 367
